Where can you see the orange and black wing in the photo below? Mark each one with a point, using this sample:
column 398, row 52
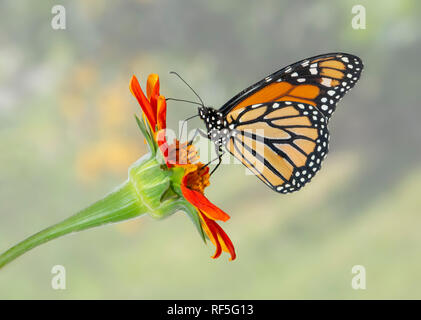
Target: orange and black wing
column 320, row 81
column 282, row 142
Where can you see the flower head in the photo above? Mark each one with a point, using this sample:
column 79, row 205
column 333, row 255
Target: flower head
column 189, row 177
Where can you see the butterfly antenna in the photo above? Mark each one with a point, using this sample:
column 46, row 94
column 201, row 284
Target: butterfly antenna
column 173, row 72
column 182, row 100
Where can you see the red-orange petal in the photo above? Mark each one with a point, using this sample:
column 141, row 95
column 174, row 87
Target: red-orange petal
column 143, row 101
column 208, row 226
column 152, row 90
column 202, row 203
column 152, row 85
column 225, row 242
column 218, row 237
column 161, row 113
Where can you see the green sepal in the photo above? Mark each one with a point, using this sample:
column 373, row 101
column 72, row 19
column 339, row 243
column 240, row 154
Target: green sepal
column 176, row 177
column 147, row 134
column 194, row 217
column 150, row 183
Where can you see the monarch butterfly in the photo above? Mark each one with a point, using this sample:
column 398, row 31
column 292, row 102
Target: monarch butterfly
column 278, row 126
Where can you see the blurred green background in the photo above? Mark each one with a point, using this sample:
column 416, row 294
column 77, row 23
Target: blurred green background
column 67, row 137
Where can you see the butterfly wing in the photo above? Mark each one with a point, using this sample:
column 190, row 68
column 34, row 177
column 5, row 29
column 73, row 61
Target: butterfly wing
column 282, row 142
column 320, row 81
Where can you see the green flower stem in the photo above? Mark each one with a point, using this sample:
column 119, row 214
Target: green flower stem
column 119, row 205
column 151, row 188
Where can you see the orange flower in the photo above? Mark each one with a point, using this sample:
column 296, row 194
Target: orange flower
column 182, row 155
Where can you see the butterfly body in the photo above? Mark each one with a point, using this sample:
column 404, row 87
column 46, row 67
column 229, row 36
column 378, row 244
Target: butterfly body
column 216, row 125
column 278, row 127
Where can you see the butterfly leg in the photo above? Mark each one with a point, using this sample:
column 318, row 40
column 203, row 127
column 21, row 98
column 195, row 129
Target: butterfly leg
column 219, row 157
column 220, row 153
column 218, row 149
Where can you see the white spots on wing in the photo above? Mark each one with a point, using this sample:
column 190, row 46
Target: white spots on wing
column 288, row 69
column 275, row 105
column 294, row 74
column 256, row 105
column 324, row 107
column 301, row 80
column 305, row 63
column 345, row 59
column 324, row 99
column 331, row 92
column 313, row 70
column 326, row 82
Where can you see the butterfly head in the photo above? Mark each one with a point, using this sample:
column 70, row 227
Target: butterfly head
column 203, row 112
column 212, row 118
column 216, row 125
